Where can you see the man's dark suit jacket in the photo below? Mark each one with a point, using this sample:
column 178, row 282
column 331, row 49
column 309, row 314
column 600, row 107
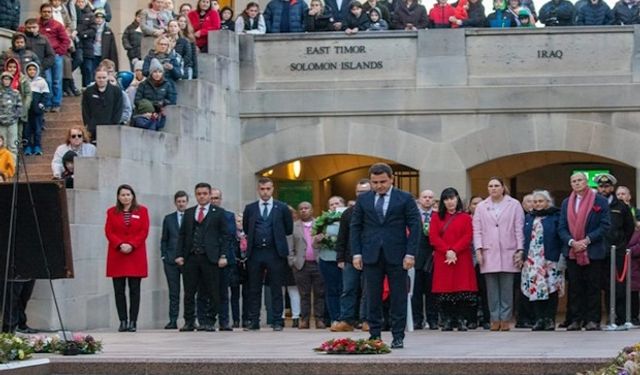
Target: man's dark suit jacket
column 169, row 239
column 282, row 222
column 216, row 238
column 370, row 237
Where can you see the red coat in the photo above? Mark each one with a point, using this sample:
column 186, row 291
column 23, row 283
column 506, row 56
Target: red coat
column 133, row 264
column 210, row 22
column 439, row 15
column 57, row 35
column 461, row 276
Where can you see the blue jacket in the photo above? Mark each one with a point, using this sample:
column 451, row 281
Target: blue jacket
column 595, row 15
column 598, row 224
column 551, row 240
column 273, row 16
column 559, row 13
column 372, row 238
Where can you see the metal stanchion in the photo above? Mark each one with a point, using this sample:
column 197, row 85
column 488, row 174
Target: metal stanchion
column 612, row 291
column 627, row 261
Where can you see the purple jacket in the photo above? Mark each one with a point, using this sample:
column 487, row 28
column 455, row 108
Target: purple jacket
column 499, row 239
column 634, row 246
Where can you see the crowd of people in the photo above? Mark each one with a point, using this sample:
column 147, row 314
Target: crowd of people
column 475, row 266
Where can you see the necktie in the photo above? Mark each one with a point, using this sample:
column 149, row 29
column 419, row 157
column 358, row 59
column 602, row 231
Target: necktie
column 180, row 219
column 265, row 211
column 379, row 207
column 201, row 215
column 425, row 217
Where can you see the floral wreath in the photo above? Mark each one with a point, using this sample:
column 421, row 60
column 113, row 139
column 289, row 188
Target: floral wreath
column 320, row 226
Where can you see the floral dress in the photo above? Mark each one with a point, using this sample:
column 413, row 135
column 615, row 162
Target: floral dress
column 540, row 277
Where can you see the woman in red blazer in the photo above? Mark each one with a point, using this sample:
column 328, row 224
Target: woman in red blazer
column 454, row 278
column 127, row 228
column 204, row 19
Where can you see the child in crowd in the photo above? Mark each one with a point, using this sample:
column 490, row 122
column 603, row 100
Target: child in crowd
column 68, row 163
column 251, row 20
column 440, row 15
column 21, row 84
column 152, row 96
column 376, row 23
column 39, row 93
column 10, row 111
column 226, row 16
column 7, row 162
column 525, row 18
column 461, row 14
column 356, row 20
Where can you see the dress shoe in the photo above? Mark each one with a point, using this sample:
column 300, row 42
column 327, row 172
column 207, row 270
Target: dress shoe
column 341, row 326
column 373, row 337
column 539, row 326
column 448, row 325
column 252, row 327
column 472, row 325
column 486, row 325
column 525, row 325
column 397, row 344
column 433, row 325
column 495, row 326
column 236, row 324
column 277, row 327
column 564, row 324
column 295, row 323
column 132, row 326
column 320, row 324
column 365, row 327
column 592, row 326
column 124, row 327
column 188, row 327
column 171, row 325
column 208, row 328
column 26, row 329
column 417, row 326
column 226, row 329
column 462, row 325
column 549, row 325
column 575, row 326
column 505, row 326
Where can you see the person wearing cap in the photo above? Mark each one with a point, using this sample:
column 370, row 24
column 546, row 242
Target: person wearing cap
column 10, row 111
column 104, row 45
column 524, row 18
column 618, row 235
column 138, row 78
column 584, row 223
column 159, row 91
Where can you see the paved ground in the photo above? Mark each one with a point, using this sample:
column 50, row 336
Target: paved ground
column 290, row 352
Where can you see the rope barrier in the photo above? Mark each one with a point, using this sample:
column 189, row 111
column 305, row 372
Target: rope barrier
column 625, row 268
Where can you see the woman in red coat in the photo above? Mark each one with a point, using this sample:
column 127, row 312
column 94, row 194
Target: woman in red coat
column 204, row 19
column 454, row 278
column 127, row 228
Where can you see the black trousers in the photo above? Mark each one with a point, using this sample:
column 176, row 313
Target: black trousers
column 524, row 309
column 584, row 291
column 225, row 283
column 483, row 302
column 261, row 260
column 119, row 286
column 545, row 309
column 423, row 302
column 200, row 276
column 172, row 273
column 18, row 295
column 374, row 276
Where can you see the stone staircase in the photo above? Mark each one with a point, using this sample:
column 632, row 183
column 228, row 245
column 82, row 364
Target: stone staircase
column 39, row 167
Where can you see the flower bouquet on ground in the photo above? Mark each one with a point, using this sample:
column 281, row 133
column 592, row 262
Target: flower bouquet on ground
column 351, row 346
column 80, row 344
column 14, row 348
column 627, row 362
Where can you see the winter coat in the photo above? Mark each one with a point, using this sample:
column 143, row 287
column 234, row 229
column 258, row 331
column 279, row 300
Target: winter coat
column 551, row 239
column 133, row 264
column 132, row 41
column 319, row 22
column 384, row 11
column 10, row 106
column 39, row 91
column 41, row 46
column 501, row 19
column 7, row 163
column 228, row 25
column 439, row 16
column 183, row 48
column 595, row 15
column 24, row 56
column 109, row 48
column 172, row 58
column 273, row 16
column 559, row 13
column 461, row 275
column 596, row 228
column 24, row 88
column 477, row 17
column 210, row 22
column 10, row 14
column 498, row 238
column 101, row 108
column 623, row 14
column 161, row 95
column 55, row 32
column 416, row 15
column 350, row 22
column 86, row 31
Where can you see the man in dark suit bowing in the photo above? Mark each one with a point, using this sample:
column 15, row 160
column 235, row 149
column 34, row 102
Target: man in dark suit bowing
column 168, row 244
column 385, row 230
column 202, row 250
column 267, row 223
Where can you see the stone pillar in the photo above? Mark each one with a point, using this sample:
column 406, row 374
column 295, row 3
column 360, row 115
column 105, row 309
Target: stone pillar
column 438, row 180
column 442, row 59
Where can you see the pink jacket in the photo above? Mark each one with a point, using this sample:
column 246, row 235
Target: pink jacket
column 499, row 239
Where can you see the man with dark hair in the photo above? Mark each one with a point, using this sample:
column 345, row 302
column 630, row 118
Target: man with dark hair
column 102, row 103
column 39, row 45
column 168, row 248
column 381, row 247
column 351, row 277
column 57, row 36
column 202, row 249
column 267, row 223
column 19, row 51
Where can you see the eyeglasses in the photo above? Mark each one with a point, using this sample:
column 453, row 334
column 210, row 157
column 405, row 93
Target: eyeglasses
column 76, row 135
column 164, row 44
